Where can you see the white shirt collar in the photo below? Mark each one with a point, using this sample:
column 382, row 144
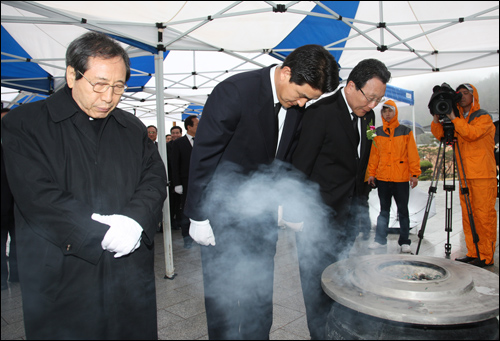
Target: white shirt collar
column 190, row 138
column 345, row 100
column 273, row 85
column 358, row 121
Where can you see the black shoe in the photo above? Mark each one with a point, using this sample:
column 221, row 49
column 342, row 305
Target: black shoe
column 465, row 259
column 480, row 263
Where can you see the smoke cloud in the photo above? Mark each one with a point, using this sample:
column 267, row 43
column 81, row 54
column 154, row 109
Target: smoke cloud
column 236, row 195
column 243, row 211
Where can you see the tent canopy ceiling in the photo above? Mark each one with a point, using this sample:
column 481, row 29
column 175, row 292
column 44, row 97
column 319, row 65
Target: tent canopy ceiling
column 209, row 41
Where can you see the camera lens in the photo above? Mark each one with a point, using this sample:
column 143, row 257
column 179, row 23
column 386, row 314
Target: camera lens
column 442, row 100
column 443, row 108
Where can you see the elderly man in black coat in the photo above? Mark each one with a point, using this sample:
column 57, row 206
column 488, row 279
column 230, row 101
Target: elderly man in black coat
column 89, row 187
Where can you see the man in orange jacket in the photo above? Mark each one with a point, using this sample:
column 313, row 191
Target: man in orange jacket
column 475, row 133
column 394, row 161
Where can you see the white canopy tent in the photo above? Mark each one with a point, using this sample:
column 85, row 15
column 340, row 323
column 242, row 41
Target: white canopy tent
column 208, row 41
column 205, row 42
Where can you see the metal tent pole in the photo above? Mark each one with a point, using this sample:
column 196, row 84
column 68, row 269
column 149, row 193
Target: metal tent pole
column 162, row 148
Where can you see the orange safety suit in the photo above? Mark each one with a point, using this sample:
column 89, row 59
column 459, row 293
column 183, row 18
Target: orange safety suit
column 475, row 140
column 394, row 155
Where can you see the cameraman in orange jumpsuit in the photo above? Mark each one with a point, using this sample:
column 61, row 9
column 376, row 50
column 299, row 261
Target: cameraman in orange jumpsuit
column 475, row 132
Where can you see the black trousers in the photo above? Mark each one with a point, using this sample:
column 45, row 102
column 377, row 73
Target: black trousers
column 238, row 276
column 401, row 193
column 317, row 248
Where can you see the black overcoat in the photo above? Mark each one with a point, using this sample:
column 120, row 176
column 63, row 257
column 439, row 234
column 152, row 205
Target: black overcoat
column 62, row 170
column 327, row 151
column 327, row 154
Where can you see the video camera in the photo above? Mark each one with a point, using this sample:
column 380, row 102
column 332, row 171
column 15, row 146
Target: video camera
column 443, row 100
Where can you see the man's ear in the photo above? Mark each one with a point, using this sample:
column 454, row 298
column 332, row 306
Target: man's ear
column 350, row 87
column 70, row 76
column 285, row 74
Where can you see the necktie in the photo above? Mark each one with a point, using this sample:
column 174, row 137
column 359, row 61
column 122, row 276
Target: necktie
column 355, row 126
column 277, row 108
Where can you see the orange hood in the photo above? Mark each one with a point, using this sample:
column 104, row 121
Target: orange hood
column 475, row 101
column 394, row 122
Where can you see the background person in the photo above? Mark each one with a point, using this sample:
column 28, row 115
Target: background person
column 152, row 134
column 475, row 133
column 175, row 132
column 394, row 161
column 89, row 187
column 181, row 157
column 175, row 199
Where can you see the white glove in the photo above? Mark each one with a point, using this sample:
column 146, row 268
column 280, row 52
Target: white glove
column 297, row 227
column 201, row 232
column 178, row 189
column 123, row 236
column 281, row 222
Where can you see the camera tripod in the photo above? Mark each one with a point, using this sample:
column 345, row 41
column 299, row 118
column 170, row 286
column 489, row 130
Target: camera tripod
column 449, row 139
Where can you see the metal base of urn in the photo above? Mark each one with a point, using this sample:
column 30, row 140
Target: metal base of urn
column 409, row 297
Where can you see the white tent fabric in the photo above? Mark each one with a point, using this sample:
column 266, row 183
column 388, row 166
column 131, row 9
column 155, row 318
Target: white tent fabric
column 209, row 41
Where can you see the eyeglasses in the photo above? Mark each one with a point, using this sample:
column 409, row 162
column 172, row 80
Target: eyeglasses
column 372, row 100
column 118, row 89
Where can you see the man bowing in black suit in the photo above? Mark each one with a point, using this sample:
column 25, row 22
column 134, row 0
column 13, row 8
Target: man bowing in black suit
column 333, row 151
column 240, row 129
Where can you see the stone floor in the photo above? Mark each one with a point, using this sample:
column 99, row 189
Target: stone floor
column 181, row 311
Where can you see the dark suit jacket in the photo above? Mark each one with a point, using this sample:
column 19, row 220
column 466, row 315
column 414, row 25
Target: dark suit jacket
column 327, row 151
column 237, row 127
column 181, row 156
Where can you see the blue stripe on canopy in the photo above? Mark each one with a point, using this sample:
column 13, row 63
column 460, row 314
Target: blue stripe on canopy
column 144, row 64
column 321, row 31
column 192, row 109
column 37, row 79
column 28, row 99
